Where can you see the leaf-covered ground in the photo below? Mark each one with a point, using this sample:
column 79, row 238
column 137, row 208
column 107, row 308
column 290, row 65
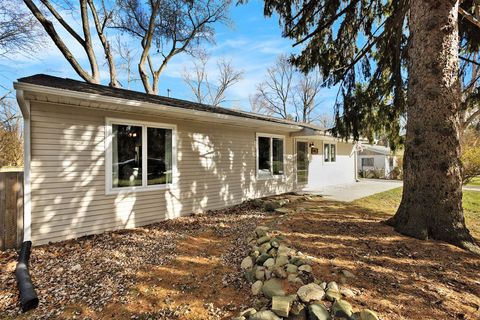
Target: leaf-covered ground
column 188, row 268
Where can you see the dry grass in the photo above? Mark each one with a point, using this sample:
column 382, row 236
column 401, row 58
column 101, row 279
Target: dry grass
column 387, row 203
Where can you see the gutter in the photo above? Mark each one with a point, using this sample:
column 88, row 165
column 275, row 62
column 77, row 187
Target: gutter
column 178, row 111
column 28, row 296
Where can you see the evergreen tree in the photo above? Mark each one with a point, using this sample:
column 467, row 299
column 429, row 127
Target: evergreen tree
column 392, row 58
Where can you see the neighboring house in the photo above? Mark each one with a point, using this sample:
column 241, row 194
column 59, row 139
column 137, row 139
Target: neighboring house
column 376, row 158
column 99, row 158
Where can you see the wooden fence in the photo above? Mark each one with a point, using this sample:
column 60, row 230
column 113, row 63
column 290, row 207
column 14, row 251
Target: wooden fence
column 11, row 210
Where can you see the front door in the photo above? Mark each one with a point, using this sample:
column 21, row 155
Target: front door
column 302, row 162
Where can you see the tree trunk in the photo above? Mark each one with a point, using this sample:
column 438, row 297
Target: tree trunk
column 431, row 205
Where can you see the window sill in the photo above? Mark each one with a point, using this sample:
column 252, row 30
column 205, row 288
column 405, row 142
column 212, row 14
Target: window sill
column 271, row 177
column 126, row 190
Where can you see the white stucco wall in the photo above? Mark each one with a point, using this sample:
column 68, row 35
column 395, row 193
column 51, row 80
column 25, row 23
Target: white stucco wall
column 322, row 173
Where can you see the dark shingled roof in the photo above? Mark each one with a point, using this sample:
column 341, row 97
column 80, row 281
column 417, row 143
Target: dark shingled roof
column 80, row 86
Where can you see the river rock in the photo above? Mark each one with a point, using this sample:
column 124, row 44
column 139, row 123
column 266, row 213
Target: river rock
column 284, row 250
column 257, row 288
column 261, row 231
column 281, row 305
column 275, row 243
column 279, row 272
column 262, row 258
column 247, row 263
column 248, row 312
column 305, row 268
column 332, row 295
column 298, row 311
column 317, row 311
column 263, row 239
column 265, row 315
column 269, row 263
column 342, row 309
column 367, row 314
column 332, row 285
column 348, row 274
column 281, row 260
column 265, row 247
column 260, row 273
column 291, row 268
column 273, row 287
column 347, row 292
column 310, row 292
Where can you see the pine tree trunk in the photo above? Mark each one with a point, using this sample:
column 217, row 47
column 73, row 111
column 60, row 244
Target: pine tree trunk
column 431, row 205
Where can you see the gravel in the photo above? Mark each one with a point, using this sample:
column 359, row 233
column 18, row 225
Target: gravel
column 96, row 271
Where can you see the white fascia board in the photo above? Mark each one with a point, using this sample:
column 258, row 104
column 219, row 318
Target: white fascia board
column 138, row 105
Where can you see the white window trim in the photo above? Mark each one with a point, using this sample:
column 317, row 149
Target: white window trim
column 109, row 190
column 308, row 157
column 323, row 152
column 271, row 175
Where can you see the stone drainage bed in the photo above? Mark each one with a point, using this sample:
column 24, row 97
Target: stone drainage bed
column 282, row 280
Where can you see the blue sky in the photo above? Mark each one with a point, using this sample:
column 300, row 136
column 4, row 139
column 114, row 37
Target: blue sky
column 251, row 44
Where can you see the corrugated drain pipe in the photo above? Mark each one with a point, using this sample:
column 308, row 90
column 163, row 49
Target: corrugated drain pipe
column 28, row 296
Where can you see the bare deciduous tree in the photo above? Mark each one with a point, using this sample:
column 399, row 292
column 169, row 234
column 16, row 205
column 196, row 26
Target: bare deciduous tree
column 203, row 89
column 19, row 31
column 126, row 55
column 274, row 95
column 305, row 96
column 100, row 17
column 167, row 28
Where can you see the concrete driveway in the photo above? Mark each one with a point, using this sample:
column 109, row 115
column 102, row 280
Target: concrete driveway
column 357, row 190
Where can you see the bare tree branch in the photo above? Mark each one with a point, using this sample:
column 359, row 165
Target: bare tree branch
column 204, row 90
column 170, row 27
column 274, row 94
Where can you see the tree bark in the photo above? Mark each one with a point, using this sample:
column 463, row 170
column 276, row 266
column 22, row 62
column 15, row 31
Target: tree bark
column 431, row 205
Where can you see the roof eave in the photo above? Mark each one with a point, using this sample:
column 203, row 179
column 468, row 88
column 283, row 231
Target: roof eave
column 97, row 98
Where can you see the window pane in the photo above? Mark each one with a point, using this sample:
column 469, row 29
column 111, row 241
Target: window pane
column 333, row 153
column 277, row 148
column 263, row 156
column 159, row 156
column 367, row 162
column 126, row 156
column 326, row 152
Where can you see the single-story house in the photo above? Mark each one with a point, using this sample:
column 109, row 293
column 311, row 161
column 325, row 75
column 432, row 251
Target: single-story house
column 376, row 158
column 100, row 158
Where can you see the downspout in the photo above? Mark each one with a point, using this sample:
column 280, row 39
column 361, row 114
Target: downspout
column 28, row 296
column 355, row 156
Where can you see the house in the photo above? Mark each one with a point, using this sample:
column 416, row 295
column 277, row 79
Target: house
column 100, row 158
column 378, row 159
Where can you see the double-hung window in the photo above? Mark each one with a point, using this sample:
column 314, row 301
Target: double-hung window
column 329, row 152
column 140, row 156
column 270, row 154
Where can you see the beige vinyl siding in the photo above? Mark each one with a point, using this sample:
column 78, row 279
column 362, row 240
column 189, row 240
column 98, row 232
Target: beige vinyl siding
column 216, row 167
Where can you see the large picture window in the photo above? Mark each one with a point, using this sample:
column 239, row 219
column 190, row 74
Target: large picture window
column 270, row 156
column 139, row 155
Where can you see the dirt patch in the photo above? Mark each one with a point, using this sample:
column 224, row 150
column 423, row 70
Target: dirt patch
column 189, row 268
column 397, row 276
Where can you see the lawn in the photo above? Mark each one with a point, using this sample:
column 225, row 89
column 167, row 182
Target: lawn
column 388, row 201
column 189, row 268
column 475, row 182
